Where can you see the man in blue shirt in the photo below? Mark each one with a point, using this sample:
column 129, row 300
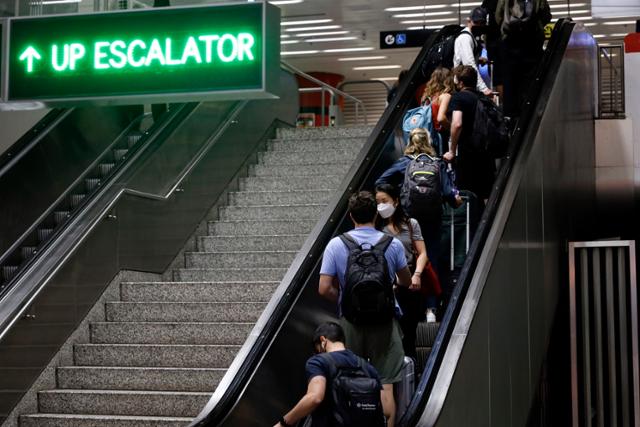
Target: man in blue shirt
column 380, row 343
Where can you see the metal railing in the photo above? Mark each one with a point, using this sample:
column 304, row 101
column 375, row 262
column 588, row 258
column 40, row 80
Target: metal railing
column 611, row 94
column 603, row 305
column 324, row 89
column 374, row 99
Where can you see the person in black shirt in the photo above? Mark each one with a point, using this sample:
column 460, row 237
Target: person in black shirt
column 327, row 338
column 474, row 170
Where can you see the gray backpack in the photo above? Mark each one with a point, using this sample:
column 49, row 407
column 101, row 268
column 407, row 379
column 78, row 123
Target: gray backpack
column 420, row 195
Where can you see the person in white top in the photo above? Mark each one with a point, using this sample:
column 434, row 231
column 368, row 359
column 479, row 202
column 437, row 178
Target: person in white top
column 466, row 50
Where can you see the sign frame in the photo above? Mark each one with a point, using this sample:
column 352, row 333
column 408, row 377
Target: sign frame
column 270, row 40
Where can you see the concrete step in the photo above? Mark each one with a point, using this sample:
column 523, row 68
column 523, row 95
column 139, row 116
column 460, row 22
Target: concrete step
column 231, row 291
column 183, row 311
column 278, row 198
column 85, row 420
column 322, row 168
column 154, row 355
column 284, row 211
column 122, row 402
column 169, row 332
column 287, row 183
column 307, row 157
column 240, row 259
column 229, row 274
column 324, row 132
column 286, row 242
column 136, row 378
column 260, row 228
column 303, row 145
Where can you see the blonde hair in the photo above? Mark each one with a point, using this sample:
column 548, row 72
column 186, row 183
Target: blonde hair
column 419, row 143
column 441, row 81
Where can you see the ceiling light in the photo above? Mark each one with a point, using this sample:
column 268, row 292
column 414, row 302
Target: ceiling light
column 418, row 15
column 571, row 12
column 323, row 33
column 425, row 7
column 290, row 42
column 429, row 21
column 347, row 49
column 598, row 36
column 619, row 23
column 468, row 4
column 298, row 52
column 581, row 18
column 565, row 5
column 377, row 67
column 331, row 39
column 282, row 2
column 306, row 22
column 426, row 27
column 285, row 36
column 322, row 27
column 386, row 79
column 362, row 58
column 590, row 24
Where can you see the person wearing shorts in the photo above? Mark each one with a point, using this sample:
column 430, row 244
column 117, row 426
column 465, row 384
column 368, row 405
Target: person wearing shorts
column 381, row 344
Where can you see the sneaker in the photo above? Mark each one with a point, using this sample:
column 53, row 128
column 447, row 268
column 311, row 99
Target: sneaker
column 431, row 316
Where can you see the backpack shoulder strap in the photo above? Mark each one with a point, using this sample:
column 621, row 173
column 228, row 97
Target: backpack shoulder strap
column 384, row 242
column 349, row 241
column 333, row 367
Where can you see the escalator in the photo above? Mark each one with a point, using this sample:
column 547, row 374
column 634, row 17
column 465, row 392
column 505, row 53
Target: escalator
column 488, row 355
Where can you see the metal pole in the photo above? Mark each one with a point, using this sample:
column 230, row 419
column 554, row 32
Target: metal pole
column 611, row 338
column 634, row 333
column 624, row 337
column 573, row 335
column 322, row 106
column 597, row 313
column 357, row 105
column 586, row 345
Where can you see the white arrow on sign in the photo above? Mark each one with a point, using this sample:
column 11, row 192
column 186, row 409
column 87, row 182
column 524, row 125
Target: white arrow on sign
column 30, row 54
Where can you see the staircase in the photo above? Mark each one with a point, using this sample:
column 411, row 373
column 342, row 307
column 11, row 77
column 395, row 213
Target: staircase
column 163, row 347
column 374, row 96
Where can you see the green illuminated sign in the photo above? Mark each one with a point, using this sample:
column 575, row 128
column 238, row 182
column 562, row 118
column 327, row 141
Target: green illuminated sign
column 211, row 52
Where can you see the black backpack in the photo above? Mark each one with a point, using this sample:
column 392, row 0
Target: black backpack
column 354, row 395
column 420, row 195
column 490, row 132
column 525, row 18
column 368, row 297
column 441, row 53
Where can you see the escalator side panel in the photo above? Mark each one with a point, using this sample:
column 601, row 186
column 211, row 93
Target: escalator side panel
column 505, row 344
column 43, row 174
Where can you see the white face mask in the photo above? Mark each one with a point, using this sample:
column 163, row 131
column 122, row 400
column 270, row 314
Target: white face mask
column 386, row 210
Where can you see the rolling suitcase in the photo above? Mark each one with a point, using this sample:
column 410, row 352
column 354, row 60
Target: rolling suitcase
column 406, row 387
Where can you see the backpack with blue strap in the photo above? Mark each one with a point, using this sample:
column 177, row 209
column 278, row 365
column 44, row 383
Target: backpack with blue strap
column 422, row 117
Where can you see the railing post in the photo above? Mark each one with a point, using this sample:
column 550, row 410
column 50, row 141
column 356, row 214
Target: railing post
column 322, row 106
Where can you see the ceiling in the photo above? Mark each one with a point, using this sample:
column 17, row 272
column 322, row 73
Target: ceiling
column 358, row 23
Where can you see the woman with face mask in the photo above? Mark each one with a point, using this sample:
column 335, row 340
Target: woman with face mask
column 393, row 221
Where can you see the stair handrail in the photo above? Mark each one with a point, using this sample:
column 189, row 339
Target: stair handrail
column 327, row 87
column 617, row 75
column 386, row 85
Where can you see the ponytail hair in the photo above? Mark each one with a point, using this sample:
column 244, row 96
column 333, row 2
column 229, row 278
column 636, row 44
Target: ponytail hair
column 419, row 143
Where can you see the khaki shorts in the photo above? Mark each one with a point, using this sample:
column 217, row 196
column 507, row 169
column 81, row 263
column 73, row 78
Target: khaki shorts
column 380, row 344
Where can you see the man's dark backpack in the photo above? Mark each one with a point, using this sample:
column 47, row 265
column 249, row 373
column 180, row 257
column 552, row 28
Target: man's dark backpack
column 490, row 132
column 442, row 51
column 354, row 394
column 368, row 297
column 420, row 195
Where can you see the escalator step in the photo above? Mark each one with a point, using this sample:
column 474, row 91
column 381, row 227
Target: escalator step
column 119, row 154
column 133, row 138
column 105, row 168
column 27, row 252
column 426, row 334
column 76, row 199
column 60, row 216
column 44, row 233
column 8, row 272
column 92, row 183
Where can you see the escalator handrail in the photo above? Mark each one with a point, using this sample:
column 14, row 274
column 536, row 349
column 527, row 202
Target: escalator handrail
column 248, row 359
column 524, row 133
column 31, row 138
column 17, row 298
column 69, row 190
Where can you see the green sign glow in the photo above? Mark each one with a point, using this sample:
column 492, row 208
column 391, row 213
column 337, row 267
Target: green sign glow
column 188, row 53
